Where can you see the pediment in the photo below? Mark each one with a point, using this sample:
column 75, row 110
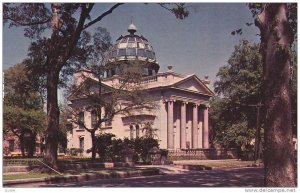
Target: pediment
column 193, row 83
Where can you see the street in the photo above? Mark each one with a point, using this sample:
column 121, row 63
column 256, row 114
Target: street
column 241, row 177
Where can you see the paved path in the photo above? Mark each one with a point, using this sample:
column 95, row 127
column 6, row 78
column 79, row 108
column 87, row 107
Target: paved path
column 242, row 177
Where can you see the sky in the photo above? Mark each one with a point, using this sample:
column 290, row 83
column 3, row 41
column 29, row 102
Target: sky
column 200, row 44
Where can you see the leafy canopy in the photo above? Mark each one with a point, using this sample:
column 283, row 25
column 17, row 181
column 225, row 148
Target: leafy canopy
column 233, row 119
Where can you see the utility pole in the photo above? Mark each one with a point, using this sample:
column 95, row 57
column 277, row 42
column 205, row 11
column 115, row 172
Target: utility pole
column 257, row 133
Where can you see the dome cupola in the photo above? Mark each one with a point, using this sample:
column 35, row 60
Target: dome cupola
column 132, row 47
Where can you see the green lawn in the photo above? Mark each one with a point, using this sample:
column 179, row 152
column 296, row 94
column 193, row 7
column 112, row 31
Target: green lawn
column 26, row 176
column 75, row 172
column 227, row 164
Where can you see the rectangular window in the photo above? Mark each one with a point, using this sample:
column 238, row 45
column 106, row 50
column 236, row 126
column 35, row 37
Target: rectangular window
column 141, row 52
column 122, row 52
column 70, row 128
column 93, row 119
column 131, row 52
column 11, row 145
column 81, row 142
column 81, row 120
column 148, row 53
column 137, row 130
column 145, row 71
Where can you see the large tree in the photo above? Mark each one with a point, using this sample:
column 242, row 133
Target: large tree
column 64, row 49
column 23, row 113
column 232, row 115
column 277, row 25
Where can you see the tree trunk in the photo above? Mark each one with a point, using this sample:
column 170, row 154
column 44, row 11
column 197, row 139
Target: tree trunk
column 21, row 139
column 276, row 40
column 31, row 144
column 93, row 145
column 51, row 137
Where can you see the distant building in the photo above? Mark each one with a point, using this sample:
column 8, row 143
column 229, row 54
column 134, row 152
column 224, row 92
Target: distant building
column 183, row 100
column 12, row 146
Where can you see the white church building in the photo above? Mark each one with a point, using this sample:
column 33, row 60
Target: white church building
column 181, row 116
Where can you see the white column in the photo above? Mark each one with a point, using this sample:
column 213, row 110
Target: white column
column 200, row 125
column 170, row 130
column 177, row 107
column 205, row 131
column 183, row 126
column 195, row 127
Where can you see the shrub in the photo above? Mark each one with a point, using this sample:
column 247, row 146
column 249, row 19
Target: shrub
column 111, row 149
column 143, row 146
column 74, row 151
column 103, row 146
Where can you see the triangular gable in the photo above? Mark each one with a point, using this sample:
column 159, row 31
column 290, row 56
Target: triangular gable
column 93, row 85
column 193, row 83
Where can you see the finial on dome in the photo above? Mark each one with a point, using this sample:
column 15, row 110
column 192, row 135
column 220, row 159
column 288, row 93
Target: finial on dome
column 131, row 29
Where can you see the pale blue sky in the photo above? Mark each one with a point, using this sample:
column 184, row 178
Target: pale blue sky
column 199, row 44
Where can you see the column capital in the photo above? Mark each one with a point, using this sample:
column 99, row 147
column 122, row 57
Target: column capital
column 204, row 105
column 169, row 100
column 184, row 102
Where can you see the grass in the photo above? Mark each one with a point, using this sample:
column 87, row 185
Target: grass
column 75, row 172
column 227, row 164
column 21, row 161
column 26, row 176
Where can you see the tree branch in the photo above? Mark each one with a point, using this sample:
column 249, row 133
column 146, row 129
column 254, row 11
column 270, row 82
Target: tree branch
column 84, row 14
column 26, row 23
column 99, row 18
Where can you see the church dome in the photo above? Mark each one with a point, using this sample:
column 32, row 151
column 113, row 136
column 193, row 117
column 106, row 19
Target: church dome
column 132, row 47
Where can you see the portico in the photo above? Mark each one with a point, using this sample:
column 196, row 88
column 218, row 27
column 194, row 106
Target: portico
column 193, row 131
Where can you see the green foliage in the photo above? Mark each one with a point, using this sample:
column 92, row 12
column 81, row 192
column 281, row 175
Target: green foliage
column 19, row 89
column 110, row 148
column 23, row 108
column 233, row 119
column 104, row 142
column 149, row 131
column 18, row 118
column 74, row 151
column 142, row 146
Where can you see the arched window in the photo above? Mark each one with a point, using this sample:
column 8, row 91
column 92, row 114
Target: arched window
column 131, row 132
